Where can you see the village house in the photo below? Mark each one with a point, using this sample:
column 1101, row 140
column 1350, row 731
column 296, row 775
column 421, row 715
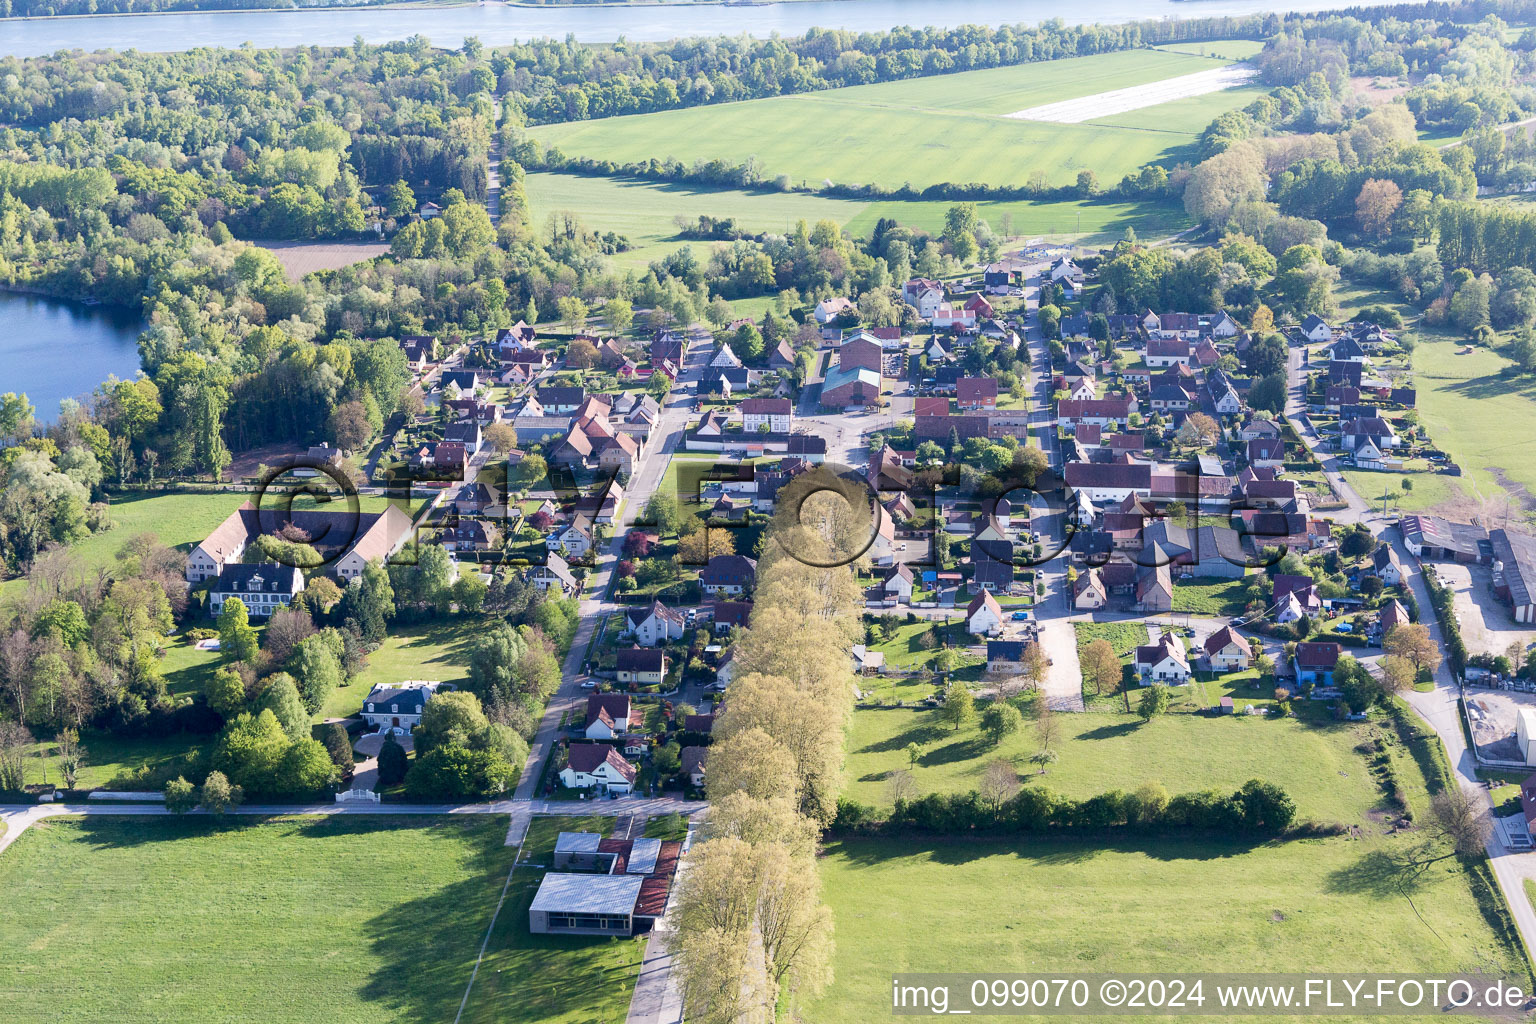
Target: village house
column 611, row 716
column 574, row 539
column 728, row 575
column 923, row 294
column 1386, row 566
column 597, row 766
column 1315, row 661
column 1226, row 651
column 899, row 583
column 1089, row 593
column 396, row 708
column 1315, row 329
column 368, row 536
column 641, row 665
column 776, row 414
column 828, row 310
column 1167, row 352
column 654, row 625
column 693, row 761
column 1266, row 452
column 948, row 317
column 1162, row 661
column 983, row 615
column 553, row 573
column 972, row 393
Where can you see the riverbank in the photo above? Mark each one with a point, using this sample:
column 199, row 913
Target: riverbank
column 413, row 5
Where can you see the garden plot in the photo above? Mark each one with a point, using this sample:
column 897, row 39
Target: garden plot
column 1119, row 101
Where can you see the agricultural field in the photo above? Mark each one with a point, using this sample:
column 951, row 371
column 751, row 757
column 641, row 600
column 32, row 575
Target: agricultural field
column 1313, row 760
column 1470, row 411
column 927, row 130
column 1482, row 419
column 1175, row 905
column 646, row 213
column 934, row 904
column 301, row 258
column 192, row 919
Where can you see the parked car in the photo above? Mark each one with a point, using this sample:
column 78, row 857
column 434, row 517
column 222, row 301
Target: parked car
column 1021, row 616
column 589, row 684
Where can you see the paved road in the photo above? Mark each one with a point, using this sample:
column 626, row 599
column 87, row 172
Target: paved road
column 595, row 607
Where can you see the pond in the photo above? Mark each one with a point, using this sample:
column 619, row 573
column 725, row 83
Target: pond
column 52, row 349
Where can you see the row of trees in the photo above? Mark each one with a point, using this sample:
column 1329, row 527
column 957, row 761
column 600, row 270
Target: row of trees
column 1258, row 808
column 749, row 915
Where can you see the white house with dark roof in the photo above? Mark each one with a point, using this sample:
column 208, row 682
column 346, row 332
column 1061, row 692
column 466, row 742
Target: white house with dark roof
column 654, row 624
column 1162, row 661
column 397, row 708
column 597, row 766
column 1316, row 329
column 263, row 588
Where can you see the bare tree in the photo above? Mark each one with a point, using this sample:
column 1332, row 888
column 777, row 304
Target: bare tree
column 1047, row 728
column 999, row 783
column 1457, row 817
column 900, row 786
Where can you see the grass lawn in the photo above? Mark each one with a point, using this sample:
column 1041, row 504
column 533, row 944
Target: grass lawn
column 179, row 520
column 643, row 211
column 430, row 651
column 261, row 919
column 905, row 649
column 1124, row 637
column 1210, row 595
column 1425, row 491
column 1469, row 411
column 1314, row 761
column 526, row 977
column 945, row 128
column 186, row 668
column 112, row 761
column 1482, row 419
column 1175, row 905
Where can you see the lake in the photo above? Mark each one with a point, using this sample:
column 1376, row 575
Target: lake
column 499, row 25
column 51, row 349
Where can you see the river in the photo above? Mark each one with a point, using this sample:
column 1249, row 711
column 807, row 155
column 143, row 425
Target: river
column 499, row 25
column 51, row 349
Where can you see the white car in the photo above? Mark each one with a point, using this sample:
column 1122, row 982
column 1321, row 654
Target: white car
column 589, row 684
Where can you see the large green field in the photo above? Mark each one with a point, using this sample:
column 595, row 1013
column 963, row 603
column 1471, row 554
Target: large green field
column 1092, row 904
column 343, row 919
column 646, row 212
column 1469, row 409
column 330, row 920
column 1106, row 903
column 1313, row 760
column 927, row 130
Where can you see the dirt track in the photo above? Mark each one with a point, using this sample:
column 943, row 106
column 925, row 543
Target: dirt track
column 1118, row 101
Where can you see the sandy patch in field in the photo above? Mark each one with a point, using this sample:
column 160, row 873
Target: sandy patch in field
column 300, row 258
column 1118, row 101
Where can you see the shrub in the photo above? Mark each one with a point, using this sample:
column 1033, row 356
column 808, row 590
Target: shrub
column 392, row 763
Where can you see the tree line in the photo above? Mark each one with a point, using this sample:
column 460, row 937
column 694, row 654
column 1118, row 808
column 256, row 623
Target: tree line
column 750, row 925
